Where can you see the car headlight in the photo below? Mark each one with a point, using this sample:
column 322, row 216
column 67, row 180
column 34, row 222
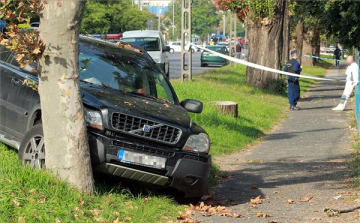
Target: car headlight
column 93, row 119
column 198, row 143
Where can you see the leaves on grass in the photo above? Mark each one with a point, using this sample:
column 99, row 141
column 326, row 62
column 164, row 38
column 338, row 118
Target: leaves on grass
column 147, row 199
column 256, row 200
column 16, row 203
column 42, row 200
column 95, row 212
column 117, row 220
column 81, row 201
column 306, row 199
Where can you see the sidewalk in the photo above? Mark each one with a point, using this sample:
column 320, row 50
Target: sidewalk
column 307, row 155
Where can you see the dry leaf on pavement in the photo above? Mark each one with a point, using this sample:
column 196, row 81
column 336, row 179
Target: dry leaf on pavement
column 306, row 199
column 256, row 200
column 289, row 201
column 262, row 215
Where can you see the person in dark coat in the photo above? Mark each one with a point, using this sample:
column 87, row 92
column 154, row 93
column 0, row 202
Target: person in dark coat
column 293, row 66
column 337, row 54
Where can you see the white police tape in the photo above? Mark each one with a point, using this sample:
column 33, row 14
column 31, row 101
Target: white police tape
column 323, row 58
column 260, row 67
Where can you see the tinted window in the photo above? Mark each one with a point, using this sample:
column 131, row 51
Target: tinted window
column 123, row 70
column 147, row 43
column 4, row 53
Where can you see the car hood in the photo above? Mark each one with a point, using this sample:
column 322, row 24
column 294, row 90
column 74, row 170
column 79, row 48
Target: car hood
column 117, row 101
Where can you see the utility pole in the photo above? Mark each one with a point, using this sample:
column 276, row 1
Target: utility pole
column 173, row 23
column 186, row 54
column 224, row 24
column 232, row 47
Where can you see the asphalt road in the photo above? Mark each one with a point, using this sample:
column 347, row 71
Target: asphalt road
column 175, row 67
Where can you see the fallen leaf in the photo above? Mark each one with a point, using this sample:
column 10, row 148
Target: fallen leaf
column 98, row 219
column 128, row 218
column 16, row 203
column 254, row 187
column 306, row 199
column 21, row 219
column 57, row 220
column 147, row 199
column 256, row 200
column 289, row 201
column 117, row 220
column 42, row 200
column 262, row 215
column 81, row 201
column 95, row 212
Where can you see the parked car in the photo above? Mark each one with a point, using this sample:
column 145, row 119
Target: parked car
column 137, row 128
column 207, row 58
column 175, row 47
column 153, row 42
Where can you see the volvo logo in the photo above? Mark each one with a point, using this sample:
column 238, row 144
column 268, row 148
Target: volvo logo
column 146, row 128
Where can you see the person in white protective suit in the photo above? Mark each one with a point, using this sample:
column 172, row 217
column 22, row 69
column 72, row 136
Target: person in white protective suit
column 352, row 79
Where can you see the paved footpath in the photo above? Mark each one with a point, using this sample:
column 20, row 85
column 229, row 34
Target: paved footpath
column 306, row 156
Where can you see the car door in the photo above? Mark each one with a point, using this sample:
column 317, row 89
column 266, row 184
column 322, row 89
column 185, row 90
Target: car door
column 18, row 99
column 4, row 86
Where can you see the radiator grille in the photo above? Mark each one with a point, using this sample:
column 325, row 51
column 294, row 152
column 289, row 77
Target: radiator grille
column 145, row 128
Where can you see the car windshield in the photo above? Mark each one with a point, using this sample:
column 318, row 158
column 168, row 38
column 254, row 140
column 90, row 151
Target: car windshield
column 123, row 70
column 147, row 43
column 217, row 49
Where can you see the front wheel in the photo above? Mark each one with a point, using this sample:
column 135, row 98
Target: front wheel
column 32, row 148
column 172, row 50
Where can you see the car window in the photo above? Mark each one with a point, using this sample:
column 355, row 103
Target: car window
column 217, row 49
column 147, row 43
column 4, row 53
column 123, row 70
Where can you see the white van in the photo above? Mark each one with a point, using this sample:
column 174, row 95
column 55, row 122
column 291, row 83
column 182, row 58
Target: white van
column 153, row 42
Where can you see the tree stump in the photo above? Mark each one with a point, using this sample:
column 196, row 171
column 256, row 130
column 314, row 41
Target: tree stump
column 227, row 107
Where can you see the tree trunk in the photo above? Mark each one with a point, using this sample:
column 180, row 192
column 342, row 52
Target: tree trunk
column 266, row 42
column 67, row 149
column 311, row 44
column 299, row 35
column 286, row 36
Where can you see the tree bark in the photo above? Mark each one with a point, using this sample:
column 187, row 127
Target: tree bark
column 266, row 45
column 67, row 149
column 311, row 44
column 299, row 35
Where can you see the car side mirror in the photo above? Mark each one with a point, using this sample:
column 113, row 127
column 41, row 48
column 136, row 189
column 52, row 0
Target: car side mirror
column 167, row 49
column 192, row 105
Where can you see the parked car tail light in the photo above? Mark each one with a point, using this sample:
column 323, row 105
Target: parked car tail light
column 198, row 143
column 93, row 119
column 204, row 53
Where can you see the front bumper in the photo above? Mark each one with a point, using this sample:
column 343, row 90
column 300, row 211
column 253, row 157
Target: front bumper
column 184, row 171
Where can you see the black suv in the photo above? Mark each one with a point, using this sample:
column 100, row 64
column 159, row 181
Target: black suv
column 137, row 128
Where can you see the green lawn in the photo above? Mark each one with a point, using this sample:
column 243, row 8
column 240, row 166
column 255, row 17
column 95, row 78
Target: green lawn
column 28, row 195
column 35, row 196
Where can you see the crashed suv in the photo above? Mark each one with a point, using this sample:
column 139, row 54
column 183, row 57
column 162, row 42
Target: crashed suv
column 137, row 128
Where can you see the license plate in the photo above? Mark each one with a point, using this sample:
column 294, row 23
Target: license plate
column 141, row 159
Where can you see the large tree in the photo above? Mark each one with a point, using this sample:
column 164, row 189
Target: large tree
column 56, row 51
column 204, row 18
column 306, row 20
column 342, row 20
column 268, row 27
column 113, row 17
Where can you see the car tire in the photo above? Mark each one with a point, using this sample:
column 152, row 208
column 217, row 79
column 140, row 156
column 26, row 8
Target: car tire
column 32, row 148
column 203, row 65
column 172, row 50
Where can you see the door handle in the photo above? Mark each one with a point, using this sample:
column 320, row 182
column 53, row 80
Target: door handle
column 14, row 81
